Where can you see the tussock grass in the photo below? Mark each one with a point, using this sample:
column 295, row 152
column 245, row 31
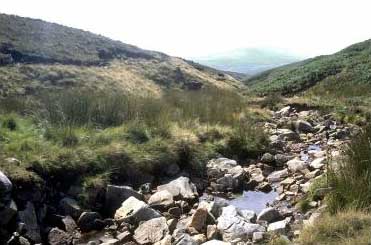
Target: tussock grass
column 351, row 179
column 94, row 138
column 345, row 228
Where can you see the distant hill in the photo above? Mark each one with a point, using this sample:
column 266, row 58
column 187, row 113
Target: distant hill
column 349, row 69
column 248, row 61
column 35, row 55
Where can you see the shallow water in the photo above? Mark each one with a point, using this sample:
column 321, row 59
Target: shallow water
column 254, row 200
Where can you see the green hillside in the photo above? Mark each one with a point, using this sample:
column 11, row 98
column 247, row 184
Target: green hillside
column 37, row 55
column 339, row 72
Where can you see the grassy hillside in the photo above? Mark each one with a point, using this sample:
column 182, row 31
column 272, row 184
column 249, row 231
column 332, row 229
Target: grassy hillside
column 36, row 55
column 332, row 73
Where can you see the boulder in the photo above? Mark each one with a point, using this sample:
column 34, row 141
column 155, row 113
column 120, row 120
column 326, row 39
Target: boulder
column 59, row 237
column 284, row 112
column 216, row 242
column 232, row 225
column 248, row 215
column 287, row 134
column 302, row 126
column 151, row 231
column 199, row 219
column 258, row 236
column 184, row 239
column 70, row 207
column 269, row 215
column 222, row 164
column 296, row 165
column 69, row 224
column 226, row 183
column 29, row 218
column 17, row 239
column 115, row 195
column 267, row 158
column 181, row 187
column 88, row 221
column 5, row 190
column 133, row 211
column 161, row 199
column 318, row 163
column 8, row 212
column 282, row 159
column 278, row 227
column 277, row 176
column 199, row 238
column 211, row 232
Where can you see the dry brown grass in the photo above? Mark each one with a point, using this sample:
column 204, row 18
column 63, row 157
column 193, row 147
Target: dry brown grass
column 345, row 228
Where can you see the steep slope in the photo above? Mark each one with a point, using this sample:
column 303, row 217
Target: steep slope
column 248, row 61
column 35, row 55
column 348, row 69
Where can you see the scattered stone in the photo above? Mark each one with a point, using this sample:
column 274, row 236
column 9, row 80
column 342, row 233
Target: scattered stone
column 277, row 176
column 184, row 239
column 115, row 195
column 296, row 165
column 59, row 237
column 124, row 236
column 175, row 212
column 199, row 238
column 161, row 199
column 133, row 211
column 318, row 163
column 269, row 215
column 199, row 219
column 211, row 232
column 258, row 236
column 7, row 213
column 267, row 158
column 278, row 227
column 29, row 218
column 181, row 187
column 70, row 207
column 145, row 188
column 151, row 231
column 302, row 126
column 87, row 221
column 231, row 225
column 248, row 215
column 216, row 242
column 69, row 224
column 5, row 189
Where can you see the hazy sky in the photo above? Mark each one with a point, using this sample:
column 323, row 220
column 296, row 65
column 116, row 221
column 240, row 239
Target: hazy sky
column 191, row 28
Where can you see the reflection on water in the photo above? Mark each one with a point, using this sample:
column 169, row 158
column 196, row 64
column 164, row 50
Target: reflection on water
column 254, row 200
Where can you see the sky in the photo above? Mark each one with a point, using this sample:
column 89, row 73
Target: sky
column 197, row 28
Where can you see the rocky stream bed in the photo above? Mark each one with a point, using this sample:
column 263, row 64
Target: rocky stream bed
column 238, row 203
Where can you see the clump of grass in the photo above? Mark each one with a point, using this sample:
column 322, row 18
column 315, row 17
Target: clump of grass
column 10, row 123
column 351, row 180
column 344, row 228
column 272, row 101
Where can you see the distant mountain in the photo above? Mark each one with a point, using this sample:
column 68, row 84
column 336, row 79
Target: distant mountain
column 248, row 61
column 36, row 55
column 347, row 71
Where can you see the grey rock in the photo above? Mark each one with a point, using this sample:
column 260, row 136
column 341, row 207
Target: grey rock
column 269, row 215
column 87, row 221
column 278, row 227
column 161, row 199
column 216, row 242
column 258, row 236
column 8, row 212
column 5, row 189
column 70, row 207
column 267, row 158
column 59, row 237
column 151, row 231
column 296, row 165
column 181, row 187
column 184, row 239
column 115, row 195
column 318, row 163
column 69, row 224
column 302, row 126
column 29, row 218
column 233, row 226
column 133, row 211
column 248, row 215
column 277, row 176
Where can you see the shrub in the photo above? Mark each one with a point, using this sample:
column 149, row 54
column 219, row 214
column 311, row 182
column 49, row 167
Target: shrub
column 10, row 123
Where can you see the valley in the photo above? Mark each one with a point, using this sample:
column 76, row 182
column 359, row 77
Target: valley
column 102, row 142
